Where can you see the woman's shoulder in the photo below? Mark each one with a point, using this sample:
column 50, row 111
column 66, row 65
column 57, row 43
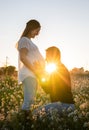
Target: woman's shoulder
column 23, row 39
column 23, row 43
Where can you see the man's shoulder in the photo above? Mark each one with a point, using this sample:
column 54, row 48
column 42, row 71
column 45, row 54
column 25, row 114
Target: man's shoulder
column 63, row 68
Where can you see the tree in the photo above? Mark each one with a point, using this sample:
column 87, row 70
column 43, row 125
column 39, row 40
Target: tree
column 8, row 70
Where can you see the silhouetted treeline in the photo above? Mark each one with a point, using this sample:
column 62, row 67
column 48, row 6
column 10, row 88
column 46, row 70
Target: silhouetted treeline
column 11, row 71
column 79, row 72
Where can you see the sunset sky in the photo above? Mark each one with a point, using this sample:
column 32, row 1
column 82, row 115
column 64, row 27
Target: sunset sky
column 64, row 23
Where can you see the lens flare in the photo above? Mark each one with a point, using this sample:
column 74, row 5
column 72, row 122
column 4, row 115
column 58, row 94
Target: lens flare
column 51, row 67
column 43, row 79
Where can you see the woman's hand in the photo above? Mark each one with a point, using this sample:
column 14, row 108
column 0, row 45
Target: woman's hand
column 39, row 68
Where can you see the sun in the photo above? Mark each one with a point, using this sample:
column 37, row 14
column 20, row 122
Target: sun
column 51, row 67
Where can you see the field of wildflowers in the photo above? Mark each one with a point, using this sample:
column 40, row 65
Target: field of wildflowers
column 11, row 98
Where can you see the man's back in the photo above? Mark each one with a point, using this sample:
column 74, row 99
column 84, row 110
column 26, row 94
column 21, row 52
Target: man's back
column 59, row 85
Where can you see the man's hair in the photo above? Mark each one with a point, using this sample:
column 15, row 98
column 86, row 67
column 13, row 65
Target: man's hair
column 54, row 51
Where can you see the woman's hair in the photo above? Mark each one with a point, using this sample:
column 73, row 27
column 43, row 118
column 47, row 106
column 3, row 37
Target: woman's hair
column 30, row 25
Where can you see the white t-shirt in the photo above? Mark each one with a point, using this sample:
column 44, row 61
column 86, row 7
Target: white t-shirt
column 33, row 55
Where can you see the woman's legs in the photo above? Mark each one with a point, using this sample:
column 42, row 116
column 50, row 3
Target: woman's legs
column 29, row 90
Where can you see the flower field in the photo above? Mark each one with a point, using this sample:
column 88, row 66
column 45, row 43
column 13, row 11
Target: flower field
column 11, row 98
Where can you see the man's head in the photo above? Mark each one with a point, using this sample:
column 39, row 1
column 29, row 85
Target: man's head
column 53, row 54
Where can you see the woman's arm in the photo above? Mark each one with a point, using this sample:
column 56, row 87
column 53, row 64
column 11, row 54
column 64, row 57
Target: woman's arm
column 23, row 57
column 36, row 67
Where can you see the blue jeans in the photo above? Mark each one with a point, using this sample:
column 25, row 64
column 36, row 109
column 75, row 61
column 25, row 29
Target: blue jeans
column 60, row 107
column 29, row 90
